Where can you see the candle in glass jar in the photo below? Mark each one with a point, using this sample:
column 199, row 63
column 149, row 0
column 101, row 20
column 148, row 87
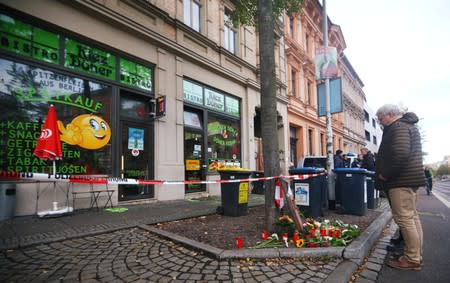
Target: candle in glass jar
column 265, row 235
column 239, row 242
column 296, row 237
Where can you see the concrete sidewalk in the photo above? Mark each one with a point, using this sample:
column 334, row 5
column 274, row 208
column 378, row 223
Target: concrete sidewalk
column 27, row 231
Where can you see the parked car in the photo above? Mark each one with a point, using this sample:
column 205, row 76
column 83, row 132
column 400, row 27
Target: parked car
column 313, row 161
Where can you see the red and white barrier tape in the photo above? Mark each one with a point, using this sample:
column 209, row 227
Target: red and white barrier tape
column 87, row 179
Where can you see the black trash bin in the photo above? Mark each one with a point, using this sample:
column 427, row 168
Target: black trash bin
column 352, row 190
column 371, row 197
column 234, row 196
column 310, row 194
column 7, row 200
column 258, row 186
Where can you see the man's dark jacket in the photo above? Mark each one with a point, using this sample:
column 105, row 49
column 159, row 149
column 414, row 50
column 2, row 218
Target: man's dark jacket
column 399, row 157
column 368, row 162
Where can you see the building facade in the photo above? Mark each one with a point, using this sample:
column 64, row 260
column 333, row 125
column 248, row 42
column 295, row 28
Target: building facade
column 353, row 106
column 307, row 131
column 372, row 130
column 109, row 67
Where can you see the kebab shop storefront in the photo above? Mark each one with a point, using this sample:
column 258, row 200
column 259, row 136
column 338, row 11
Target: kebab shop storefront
column 103, row 116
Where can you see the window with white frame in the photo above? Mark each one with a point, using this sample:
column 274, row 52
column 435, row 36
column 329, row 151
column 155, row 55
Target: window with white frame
column 229, row 33
column 191, row 14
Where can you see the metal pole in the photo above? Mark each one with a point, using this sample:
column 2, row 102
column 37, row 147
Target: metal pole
column 330, row 163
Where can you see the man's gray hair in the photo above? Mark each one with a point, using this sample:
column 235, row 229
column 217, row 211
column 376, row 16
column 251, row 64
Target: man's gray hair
column 390, row 109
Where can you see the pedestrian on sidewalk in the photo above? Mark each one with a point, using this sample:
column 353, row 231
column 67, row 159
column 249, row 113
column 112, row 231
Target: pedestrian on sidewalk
column 429, row 176
column 399, row 171
column 368, row 160
column 339, row 161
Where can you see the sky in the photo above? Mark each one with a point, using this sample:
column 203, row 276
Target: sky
column 401, row 52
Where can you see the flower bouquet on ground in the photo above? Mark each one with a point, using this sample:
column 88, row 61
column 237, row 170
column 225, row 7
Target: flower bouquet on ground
column 326, row 233
column 313, row 234
column 285, row 225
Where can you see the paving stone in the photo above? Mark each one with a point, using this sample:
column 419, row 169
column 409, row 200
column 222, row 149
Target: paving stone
column 376, row 260
column 373, row 266
column 363, row 280
column 369, row 274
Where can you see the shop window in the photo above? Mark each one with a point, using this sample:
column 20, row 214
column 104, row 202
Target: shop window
column 133, row 108
column 192, row 120
column 224, row 143
column 83, row 111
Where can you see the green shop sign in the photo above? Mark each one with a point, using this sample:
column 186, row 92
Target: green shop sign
column 27, row 40
column 90, row 60
column 135, row 75
column 194, row 93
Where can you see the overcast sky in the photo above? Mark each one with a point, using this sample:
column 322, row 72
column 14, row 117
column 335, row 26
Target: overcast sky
column 401, row 51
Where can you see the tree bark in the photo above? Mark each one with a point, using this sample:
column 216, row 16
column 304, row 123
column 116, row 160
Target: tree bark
column 268, row 107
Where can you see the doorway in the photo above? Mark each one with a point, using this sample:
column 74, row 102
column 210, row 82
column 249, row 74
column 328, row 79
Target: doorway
column 136, row 147
column 194, row 152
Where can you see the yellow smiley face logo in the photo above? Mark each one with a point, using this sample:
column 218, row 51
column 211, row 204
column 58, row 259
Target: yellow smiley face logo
column 87, row 131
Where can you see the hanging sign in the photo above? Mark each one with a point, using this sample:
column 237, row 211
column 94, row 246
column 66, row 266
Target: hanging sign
column 160, row 107
column 326, row 62
column 336, row 104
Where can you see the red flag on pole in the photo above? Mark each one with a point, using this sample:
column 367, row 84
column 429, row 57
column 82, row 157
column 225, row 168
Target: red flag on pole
column 49, row 143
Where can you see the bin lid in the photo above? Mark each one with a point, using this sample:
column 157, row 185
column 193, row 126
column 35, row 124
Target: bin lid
column 306, row 170
column 350, row 170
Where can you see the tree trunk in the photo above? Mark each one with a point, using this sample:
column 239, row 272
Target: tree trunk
column 268, row 107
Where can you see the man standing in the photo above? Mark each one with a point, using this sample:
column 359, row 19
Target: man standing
column 339, row 161
column 399, row 171
column 368, row 160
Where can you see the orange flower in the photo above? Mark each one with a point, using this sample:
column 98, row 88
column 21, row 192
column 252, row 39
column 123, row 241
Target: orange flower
column 299, row 243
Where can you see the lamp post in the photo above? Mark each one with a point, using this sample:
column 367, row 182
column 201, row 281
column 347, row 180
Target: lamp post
column 330, row 163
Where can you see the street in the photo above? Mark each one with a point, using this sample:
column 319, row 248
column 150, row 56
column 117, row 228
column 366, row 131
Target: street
column 434, row 215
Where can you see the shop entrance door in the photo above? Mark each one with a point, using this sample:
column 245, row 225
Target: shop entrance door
column 135, row 160
column 195, row 168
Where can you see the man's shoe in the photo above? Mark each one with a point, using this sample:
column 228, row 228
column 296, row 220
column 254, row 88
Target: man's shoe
column 404, row 264
column 395, row 248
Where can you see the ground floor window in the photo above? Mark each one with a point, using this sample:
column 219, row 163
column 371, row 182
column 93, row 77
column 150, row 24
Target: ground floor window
column 212, row 132
column 83, row 112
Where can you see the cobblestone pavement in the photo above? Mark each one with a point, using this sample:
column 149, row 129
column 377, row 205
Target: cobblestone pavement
column 136, row 255
column 369, row 270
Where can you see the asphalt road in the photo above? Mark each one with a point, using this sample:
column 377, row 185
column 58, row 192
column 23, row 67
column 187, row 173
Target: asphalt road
column 434, row 214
